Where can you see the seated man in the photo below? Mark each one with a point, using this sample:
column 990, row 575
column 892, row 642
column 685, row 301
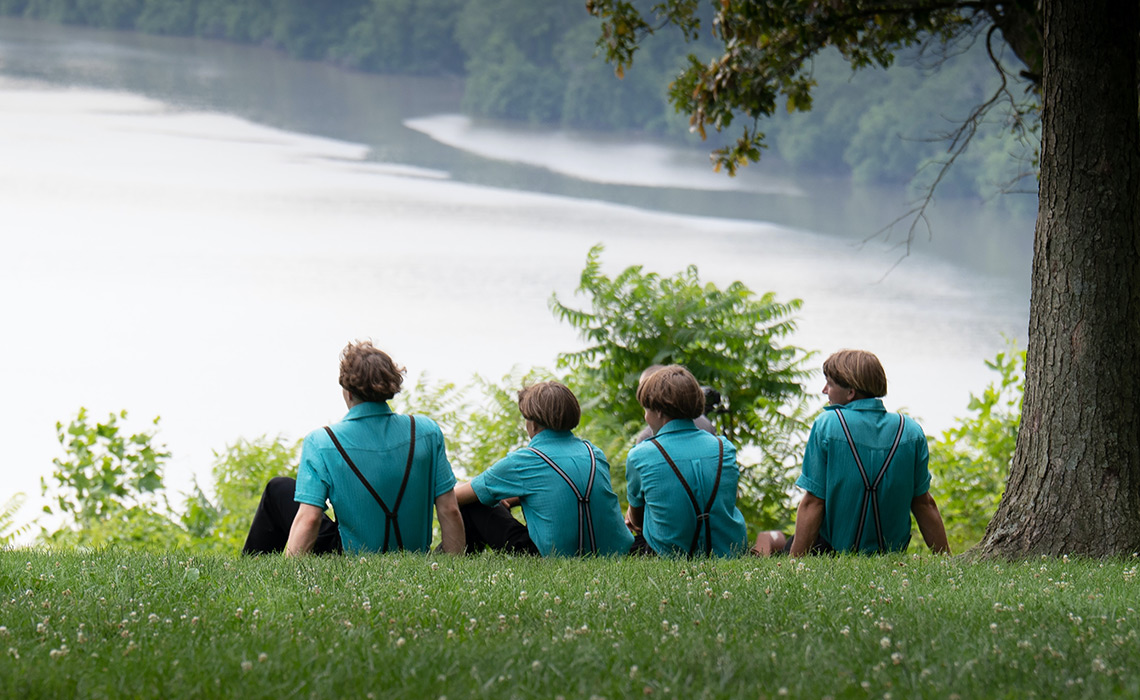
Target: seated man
column 562, row 483
column 682, row 481
column 700, row 421
column 382, row 472
column 865, row 471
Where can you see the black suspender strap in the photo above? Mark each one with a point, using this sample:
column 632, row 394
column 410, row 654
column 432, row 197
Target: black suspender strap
column 703, row 516
column 390, row 522
column 585, row 519
column 870, row 488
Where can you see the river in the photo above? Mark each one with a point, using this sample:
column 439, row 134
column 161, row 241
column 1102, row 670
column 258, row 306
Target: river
column 193, row 229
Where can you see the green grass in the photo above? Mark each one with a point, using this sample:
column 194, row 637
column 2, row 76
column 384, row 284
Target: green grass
column 126, row 624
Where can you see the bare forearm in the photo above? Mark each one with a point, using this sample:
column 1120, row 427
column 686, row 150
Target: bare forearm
column 930, row 524
column 809, row 519
column 450, row 524
column 464, row 494
column 303, row 533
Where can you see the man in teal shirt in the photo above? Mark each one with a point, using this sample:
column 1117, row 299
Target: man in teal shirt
column 561, row 482
column 682, row 481
column 382, row 473
column 865, row 471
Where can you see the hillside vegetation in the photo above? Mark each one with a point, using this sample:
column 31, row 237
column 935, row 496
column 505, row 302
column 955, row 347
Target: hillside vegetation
column 534, row 61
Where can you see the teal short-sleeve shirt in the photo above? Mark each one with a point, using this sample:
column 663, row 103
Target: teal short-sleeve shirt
column 831, row 473
column 377, row 440
column 548, row 503
column 669, row 517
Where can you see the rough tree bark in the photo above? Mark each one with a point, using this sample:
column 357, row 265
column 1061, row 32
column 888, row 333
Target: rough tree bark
column 1074, row 486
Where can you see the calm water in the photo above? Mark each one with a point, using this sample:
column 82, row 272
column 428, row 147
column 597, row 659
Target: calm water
column 194, row 230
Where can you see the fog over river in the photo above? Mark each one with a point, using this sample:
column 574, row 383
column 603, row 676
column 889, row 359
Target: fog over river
column 189, row 231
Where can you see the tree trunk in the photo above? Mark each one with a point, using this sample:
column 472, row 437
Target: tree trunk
column 1074, row 485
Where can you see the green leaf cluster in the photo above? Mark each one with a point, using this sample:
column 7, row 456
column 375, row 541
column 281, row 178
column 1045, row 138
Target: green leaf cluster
column 240, row 474
column 480, row 421
column 9, row 528
column 109, row 486
column 765, row 51
column 730, row 339
column 971, row 460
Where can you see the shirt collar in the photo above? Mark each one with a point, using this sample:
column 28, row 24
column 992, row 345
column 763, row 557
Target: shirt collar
column 550, row 435
column 860, row 405
column 677, row 424
column 368, row 409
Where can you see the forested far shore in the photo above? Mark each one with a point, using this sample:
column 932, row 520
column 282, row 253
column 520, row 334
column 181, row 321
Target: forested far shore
column 534, row 61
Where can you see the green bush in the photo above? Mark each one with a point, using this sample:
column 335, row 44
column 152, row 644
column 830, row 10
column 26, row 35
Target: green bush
column 108, row 486
column 9, row 530
column 240, row 474
column 730, row 339
column 971, row 460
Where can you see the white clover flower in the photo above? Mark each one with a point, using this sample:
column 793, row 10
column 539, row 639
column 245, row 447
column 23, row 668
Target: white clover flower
column 262, row 657
column 885, row 642
column 246, row 665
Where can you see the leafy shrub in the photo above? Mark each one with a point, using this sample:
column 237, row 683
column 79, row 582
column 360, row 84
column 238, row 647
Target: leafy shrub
column 9, row 530
column 108, row 486
column 730, row 340
column 240, row 474
column 971, row 460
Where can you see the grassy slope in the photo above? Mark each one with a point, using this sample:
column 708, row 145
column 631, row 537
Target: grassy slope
column 116, row 624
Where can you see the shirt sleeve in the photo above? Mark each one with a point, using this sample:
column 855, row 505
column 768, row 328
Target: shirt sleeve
column 633, row 468
column 444, row 474
column 813, row 478
column 921, row 465
column 501, row 480
column 312, row 487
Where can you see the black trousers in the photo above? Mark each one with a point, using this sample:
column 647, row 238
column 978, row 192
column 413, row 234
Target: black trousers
column 821, row 546
column 640, row 547
column 495, row 527
column 274, row 516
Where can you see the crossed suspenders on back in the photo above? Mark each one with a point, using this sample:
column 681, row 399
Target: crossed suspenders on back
column 585, row 520
column 703, row 516
column 870, row 488
column 390, row 522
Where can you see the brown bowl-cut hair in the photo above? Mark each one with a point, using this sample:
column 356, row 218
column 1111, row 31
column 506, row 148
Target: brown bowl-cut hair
column 673, row 391
column 859, row 370
column 550, row 405
column 368, row 373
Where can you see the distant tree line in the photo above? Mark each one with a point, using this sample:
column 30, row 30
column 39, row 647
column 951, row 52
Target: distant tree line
column 534, row 61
